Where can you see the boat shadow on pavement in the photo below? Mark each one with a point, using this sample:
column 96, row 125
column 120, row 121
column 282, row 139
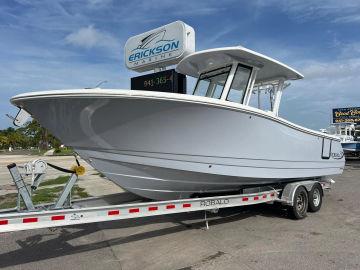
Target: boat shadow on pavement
column 45, row 244
column 353, row 163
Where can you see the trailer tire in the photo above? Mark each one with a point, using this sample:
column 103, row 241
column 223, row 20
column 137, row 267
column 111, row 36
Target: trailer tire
column 315, row 198
column 300, row 203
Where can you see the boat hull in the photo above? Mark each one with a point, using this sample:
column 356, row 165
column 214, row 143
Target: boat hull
column 168, row 146
column 351, row 146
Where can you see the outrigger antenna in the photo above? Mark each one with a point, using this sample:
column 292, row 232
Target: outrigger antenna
column 10, row 116
column 97, row 86
column 100, row 83
column 286, row 85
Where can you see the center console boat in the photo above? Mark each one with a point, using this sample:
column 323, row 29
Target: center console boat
column 219, row 138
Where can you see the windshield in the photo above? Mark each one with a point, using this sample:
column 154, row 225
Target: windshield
column 239, row 84
column 211, row 84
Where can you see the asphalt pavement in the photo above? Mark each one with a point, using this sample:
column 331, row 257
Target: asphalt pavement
column 256, row 237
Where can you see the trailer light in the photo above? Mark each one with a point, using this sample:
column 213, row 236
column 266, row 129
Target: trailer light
column 134, row 210
column 4, row 222
column 54, row 218
column 30, row 220
column 113, row 212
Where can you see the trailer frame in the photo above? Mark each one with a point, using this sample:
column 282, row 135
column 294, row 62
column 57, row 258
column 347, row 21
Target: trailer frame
column 63, row 213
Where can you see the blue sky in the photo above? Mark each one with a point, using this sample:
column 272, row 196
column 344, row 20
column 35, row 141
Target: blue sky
column 64, row 44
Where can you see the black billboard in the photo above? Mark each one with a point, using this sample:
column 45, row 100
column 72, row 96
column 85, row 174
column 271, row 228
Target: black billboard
column 163, row 81
column 350, row 115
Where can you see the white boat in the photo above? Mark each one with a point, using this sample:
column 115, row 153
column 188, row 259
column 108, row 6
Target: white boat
column 346, row 132
column 167, row 146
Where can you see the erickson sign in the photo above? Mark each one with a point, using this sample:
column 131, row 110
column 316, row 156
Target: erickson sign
column 350, row 115
column 160, row 47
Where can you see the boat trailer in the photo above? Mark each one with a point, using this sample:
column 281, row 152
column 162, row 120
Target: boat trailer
column 299, row 197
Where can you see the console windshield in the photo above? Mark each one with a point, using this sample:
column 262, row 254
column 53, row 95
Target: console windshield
column 211, row 84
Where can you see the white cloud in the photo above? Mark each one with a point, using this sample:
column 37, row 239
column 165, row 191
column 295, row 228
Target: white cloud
column 327, row 85
column 333, row 10
column 349, row 50
column 99, row 3
column 348, row 19
column 216, row 39
column 89, row 37
column 332, row 70
column 345, row 66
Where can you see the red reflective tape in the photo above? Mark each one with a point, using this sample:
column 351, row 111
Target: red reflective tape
column 256, row 198
column 4, row 222
column 30, row 220
column 264, row 196
column 185, row 205
column 153, row 208
column 170, row 206
column 245, row 199
column 134, row 210
column 113, row 212
column 58, row 217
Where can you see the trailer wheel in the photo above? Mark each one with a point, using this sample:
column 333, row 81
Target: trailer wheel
column 300, row 204
column 315, row 198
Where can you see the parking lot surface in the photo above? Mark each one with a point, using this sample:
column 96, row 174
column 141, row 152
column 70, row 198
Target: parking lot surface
column 257, row 237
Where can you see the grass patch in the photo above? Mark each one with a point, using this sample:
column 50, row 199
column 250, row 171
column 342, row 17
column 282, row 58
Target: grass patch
column 41, row 196
column 8, row 201
column 26, row 152
column 65, row 151
column 99, row 174
column 46, row 195
column 79, row 192
column 37, row 152
column 60, row 180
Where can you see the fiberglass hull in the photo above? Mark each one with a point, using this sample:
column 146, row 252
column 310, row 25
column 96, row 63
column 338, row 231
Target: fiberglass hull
column 351, row 146
column 169, row 146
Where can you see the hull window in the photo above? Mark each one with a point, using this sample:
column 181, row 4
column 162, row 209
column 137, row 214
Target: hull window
column 326, row 148
column 211, row 84
column 239, row 84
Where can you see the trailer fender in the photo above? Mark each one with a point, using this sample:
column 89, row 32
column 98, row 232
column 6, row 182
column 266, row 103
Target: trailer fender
column 287, row 196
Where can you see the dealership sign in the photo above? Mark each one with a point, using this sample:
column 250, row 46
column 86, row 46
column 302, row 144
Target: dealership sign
column 160, row 47
column 349, row 115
